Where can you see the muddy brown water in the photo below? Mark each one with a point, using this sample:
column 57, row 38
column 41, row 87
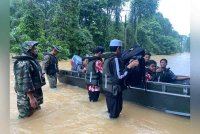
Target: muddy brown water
column 68, row 111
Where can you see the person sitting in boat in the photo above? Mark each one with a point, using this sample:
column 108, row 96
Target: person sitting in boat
column 164, row 74
column 147, row 57
column 93, row 74
column 82, row 67
column 79, row 64
column 150, row 72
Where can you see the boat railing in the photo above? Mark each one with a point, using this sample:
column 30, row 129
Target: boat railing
column 168, row 88
column 72, row 73
column 163, row 87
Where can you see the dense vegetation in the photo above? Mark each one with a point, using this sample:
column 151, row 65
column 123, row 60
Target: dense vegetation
column 79, row 25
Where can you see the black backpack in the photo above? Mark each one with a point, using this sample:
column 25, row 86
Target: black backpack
column 136, row 77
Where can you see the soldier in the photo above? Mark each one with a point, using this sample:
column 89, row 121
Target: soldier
column 50, row 66
column 29, row 80
column 113, row 77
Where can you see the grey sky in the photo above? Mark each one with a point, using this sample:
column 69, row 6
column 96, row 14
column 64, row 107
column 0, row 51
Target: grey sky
column 177, row 11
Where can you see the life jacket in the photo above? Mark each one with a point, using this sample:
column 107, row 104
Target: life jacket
column 153, row 74
column 36, row 71
column 164, row 76
column 52, row 69
column 110, row 83
column 75, row 62
column 92, row 77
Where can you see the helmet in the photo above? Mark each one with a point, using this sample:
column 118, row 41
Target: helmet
column 28, row 45
column 57, row 48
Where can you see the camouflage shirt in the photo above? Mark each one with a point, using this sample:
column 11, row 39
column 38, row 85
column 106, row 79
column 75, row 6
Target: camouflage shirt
column 28, row 75
column 50, row 64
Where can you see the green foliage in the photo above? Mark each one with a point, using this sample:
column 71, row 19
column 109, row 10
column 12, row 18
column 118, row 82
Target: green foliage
column 139, row 9
column 156, row 35
column 187, row 44
column 77, row 26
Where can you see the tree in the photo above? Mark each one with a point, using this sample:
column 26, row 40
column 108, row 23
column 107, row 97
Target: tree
column 139, row 9
column 80, row 25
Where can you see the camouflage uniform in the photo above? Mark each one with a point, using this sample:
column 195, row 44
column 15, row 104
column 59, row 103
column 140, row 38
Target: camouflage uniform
column 28, row 78
column 50, row 67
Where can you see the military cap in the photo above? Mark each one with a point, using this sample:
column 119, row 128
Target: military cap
column 28, row 45
column 57, row 48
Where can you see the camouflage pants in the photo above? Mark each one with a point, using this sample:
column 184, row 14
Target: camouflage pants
column 23, row 104
column 52, row 81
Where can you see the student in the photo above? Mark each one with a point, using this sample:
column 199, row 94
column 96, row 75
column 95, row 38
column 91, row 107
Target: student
column 82, row 67
column 93, row 74
column 147, row 57
column 113, row 77
column 164, row 74
column 79, row 64
column 150, row 72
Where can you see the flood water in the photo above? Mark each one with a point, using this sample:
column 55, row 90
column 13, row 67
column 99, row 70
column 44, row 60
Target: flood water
column 68, row 111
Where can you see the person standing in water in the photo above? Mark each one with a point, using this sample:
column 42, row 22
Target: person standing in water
column 29, row 80
column 50, row 66
column 93, row 74
column 114, row 73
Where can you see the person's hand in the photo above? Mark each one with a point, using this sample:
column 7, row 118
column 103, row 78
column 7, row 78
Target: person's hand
column 188, row 77
column 133, row 64
column 34, row 103
column 32, row 100
column 84, row 69
column 158, row 70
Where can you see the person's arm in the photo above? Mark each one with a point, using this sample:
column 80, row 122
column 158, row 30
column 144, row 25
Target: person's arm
column 57, row 67
column 175, row 77
column 123, row 73
column 158, row 69
column 80, row 69
column 32, row 100
column 23, row 78
column 46, row 62
column 182, row 77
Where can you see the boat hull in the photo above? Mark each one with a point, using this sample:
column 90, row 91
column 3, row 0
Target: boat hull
column 170, row 98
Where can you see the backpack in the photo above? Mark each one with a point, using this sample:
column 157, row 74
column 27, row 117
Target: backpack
column 137, row 52
column 137, row 75
column 76, row 60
